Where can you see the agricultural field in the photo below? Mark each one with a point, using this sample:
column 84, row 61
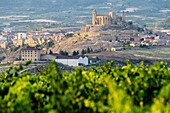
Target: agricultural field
column 78, row 13
column 157, row 52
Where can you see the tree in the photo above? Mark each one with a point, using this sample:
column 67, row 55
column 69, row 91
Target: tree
column 91, row 50
column 51, row 52
column 142, row 39
column 82, row 51
column 50, row 43
column 65, row 53
column 69, row 35
column 77, row 52
column 61, row 52
column 130, row 23
column 88, row 50
column 74, row 53
column 38, row 46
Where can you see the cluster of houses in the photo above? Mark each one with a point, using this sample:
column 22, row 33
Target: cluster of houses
column 150, row 40
column 137, row 39
column 31, row 39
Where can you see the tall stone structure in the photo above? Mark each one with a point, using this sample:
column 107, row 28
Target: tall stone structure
column 100, row 20
column 94, row 15
column 106, row 19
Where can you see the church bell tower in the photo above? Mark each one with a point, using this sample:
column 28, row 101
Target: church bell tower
column 94, row 15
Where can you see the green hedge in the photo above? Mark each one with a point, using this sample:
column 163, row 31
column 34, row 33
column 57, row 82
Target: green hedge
column 104, row 89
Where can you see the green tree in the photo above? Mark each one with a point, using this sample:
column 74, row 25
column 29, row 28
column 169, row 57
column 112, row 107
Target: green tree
column 77, row 52
column 130, row 23
column 51, row 52
column 50, row 43
column 74, row 53
column 101, row 89
column 65, row 53
column 61, row 52
column 82, row 51
column 91, row 50
column 88, row 50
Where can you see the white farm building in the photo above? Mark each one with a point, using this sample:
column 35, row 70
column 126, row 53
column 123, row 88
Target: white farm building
column 72, row 60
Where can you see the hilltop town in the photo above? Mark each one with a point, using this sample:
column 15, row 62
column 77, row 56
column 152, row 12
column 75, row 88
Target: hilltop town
column 107, row 32
column 84, row 56
column 110, row 31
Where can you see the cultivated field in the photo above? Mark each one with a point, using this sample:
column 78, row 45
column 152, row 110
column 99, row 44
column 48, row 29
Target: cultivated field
column 156, row 52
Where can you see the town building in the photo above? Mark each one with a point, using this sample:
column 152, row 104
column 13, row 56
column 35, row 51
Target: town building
column 20, row 42
column 30, row 53
column 30, row 42
column 21, row 35
column 72, row 60
column 40, row 41
column 3, row 45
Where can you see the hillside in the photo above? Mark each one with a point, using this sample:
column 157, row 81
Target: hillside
column 165, row 24
column 75, row 12
column 41, row 6
column 79, row 43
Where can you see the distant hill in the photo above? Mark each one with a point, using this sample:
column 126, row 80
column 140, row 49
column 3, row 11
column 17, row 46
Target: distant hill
column 165, row 24
column 140, row 11
column 47, row 5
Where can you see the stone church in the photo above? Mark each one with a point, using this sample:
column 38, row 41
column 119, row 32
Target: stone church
column 99, row 21
column 107, row 19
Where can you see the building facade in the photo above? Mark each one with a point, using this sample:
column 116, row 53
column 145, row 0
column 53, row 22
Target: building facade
column 107, row 19
column 99, row 20
column 72, row 61
column 32, row 54
column 3, row 45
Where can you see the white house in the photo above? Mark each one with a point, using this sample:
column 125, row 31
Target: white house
column 72, row 60
column 83, row 61
column 21, row 35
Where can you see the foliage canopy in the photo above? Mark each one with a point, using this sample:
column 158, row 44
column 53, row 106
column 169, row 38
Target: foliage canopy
column 127, row 89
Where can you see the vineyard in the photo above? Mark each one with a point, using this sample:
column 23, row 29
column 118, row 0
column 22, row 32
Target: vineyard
column 103, row 89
